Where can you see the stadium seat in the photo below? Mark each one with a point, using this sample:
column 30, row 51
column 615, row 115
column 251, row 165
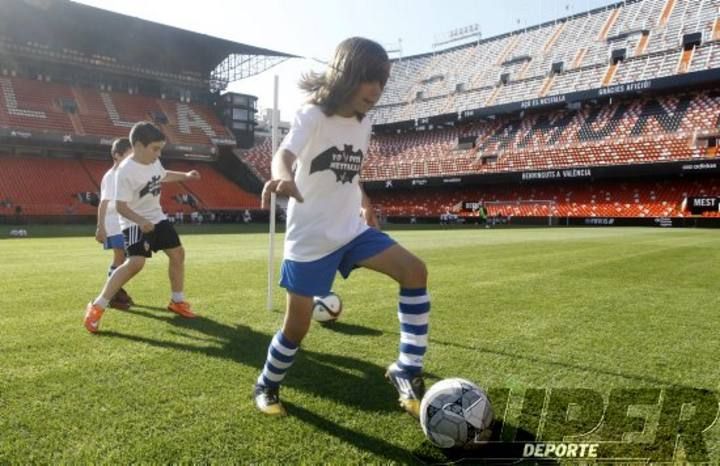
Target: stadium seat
column 597, row 199
column 36, row 105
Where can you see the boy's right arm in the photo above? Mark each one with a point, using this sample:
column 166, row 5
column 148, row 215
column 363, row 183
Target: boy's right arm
column 282, row 181
column 100, row 233
column 123, row 209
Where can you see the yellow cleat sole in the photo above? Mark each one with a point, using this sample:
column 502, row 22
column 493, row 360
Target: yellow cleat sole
column 273, row 410
column 412, row 407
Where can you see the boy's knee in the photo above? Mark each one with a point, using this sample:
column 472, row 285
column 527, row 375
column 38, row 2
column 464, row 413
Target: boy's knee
column 416, row 273
column 422, row 270
column 176, row 254
column 135, row 264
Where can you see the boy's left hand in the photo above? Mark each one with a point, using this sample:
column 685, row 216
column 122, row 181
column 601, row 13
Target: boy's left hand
column 192, row 175
column 100, row 235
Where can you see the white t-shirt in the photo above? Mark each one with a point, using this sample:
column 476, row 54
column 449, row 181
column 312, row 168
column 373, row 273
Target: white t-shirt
column 329, row 151
column 107, row 193
column 139, row 185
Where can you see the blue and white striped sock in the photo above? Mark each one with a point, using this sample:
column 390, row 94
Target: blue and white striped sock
column 413, row 313
column 280, row 357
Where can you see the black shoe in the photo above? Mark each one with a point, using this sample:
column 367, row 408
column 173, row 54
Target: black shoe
column 411, row 388
column 123, row 295
column 120, row 304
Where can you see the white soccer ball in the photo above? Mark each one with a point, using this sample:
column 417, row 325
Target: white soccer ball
column 456, row 413
column 327, row 308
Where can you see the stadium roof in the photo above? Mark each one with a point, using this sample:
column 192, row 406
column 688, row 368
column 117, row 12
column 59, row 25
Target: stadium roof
column 66, row 24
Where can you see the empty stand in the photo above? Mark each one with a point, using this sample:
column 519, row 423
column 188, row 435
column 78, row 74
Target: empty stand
column 598, row 199
column 627, row 132
column 45, row 186
column 259, row 158
column 213, row 190
column 650, row 31
column 34, row 105
column 49, row 186
column 30, row 104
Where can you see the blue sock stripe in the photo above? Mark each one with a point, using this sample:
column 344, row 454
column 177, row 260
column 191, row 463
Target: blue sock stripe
column 414, row 329
column 407, row 348
column 276, row 355
column 269, row 367
column 413, row 291
column 411, row 369
column 413, row 313
column 279, row 356
column 269, row 383
column 414, row 308
column 284, row 341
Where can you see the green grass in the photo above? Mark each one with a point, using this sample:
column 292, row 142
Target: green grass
column 599, row 309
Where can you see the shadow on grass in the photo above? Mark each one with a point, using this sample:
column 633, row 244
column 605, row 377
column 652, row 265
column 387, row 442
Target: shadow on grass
column 149, row 308
column 493, row 452
column 351, row 329
column 350, row 381
column 550, row 362
column 353, row 382
column 374, row 445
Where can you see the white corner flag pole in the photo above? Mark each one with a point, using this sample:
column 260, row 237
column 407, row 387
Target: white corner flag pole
column 271, row 252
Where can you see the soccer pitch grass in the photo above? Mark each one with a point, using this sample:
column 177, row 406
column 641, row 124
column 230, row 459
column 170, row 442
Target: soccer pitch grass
column 597, row 309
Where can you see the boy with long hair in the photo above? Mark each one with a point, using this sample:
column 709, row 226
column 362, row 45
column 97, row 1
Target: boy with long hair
column 331, row 225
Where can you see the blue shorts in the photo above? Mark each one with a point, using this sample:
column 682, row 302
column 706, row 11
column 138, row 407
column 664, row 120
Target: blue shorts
column 316, row 278
column 115, row 242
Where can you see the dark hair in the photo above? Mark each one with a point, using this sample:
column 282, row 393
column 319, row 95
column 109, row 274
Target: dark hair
column 145, row 133
column 356, row 60
column 120, row 146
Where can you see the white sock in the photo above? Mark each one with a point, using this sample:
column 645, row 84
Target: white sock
column 101, row 302
column 178, row 296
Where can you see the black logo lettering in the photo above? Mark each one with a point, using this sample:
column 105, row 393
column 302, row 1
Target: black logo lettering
column 344, row 163
column 152, row 187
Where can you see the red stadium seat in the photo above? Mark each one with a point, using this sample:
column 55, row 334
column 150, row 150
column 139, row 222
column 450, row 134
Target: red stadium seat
column 63, row 179
column 37, row 105
column 598, row 199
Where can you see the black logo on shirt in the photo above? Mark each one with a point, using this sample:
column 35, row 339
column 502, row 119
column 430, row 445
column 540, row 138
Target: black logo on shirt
column 344, row 163
column 152, row 187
